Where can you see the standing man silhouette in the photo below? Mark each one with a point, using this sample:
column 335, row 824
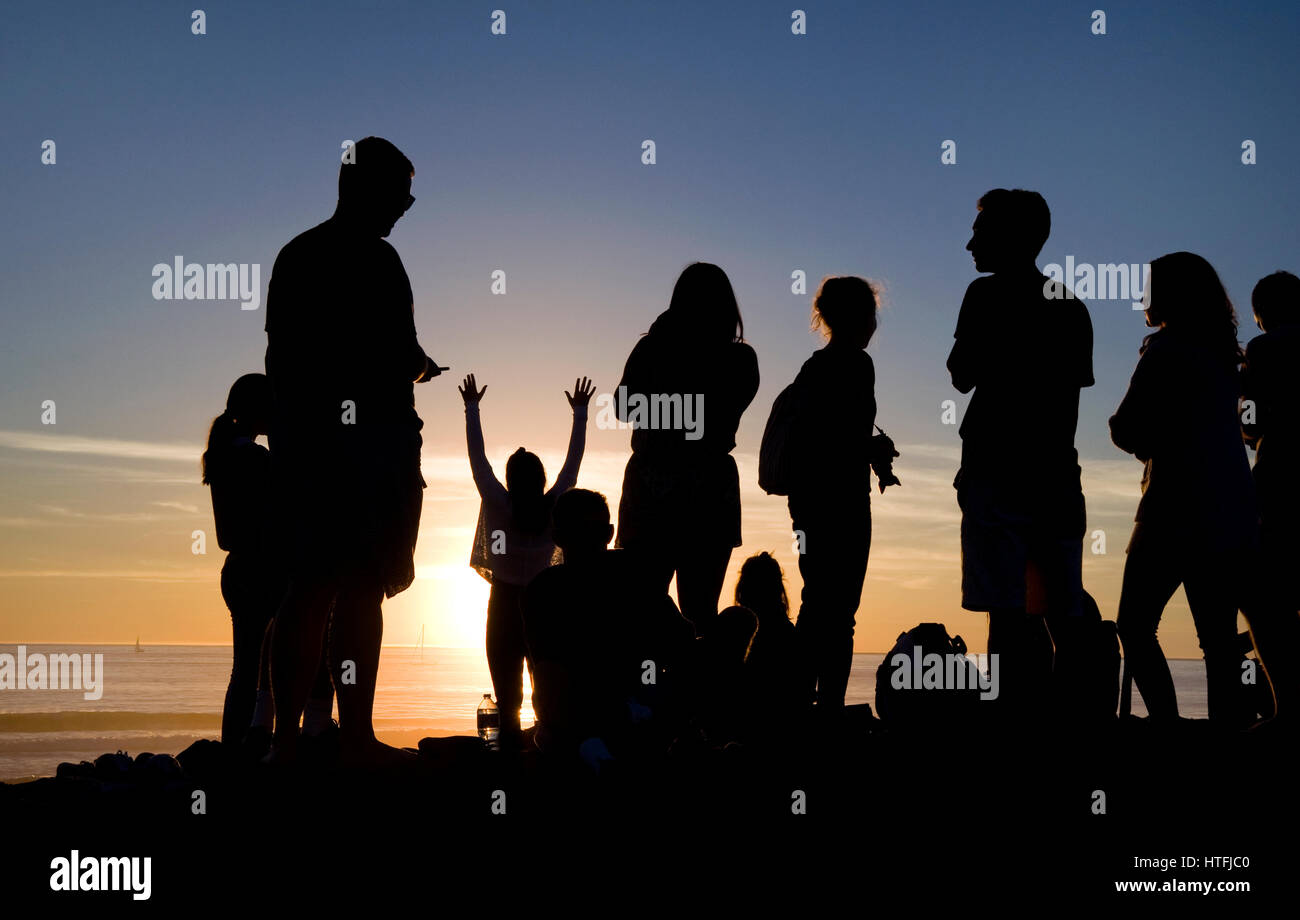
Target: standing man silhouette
column 342, row 356
column 1024, row 345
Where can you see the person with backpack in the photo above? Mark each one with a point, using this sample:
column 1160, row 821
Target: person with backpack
column 818, row 450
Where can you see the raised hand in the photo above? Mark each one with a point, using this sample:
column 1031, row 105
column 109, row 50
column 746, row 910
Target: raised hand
column 582, row 390
column 469, row 391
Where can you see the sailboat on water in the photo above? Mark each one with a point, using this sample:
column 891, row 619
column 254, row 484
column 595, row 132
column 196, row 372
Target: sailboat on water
column 137, row 645
column 420, row 644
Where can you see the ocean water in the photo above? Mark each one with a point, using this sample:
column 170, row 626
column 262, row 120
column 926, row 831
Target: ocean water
column 164, row 698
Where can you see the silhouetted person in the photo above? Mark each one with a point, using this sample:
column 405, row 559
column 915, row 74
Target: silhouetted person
column 606, row 645
column 238, row 470
column 513, row 540
column 1196, row 522
column 778, row 678
column 1271, row 385
column 342, row 356
column 1024, row 345
column 830, row 489
column 684, row 388
column 721, row 701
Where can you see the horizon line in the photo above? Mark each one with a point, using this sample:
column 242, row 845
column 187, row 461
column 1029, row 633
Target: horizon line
column 447, row 648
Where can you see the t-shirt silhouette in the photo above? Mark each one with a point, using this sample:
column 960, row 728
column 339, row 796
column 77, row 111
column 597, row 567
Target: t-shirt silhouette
column 1026, row 356
column 837, row 415
column 342, row 356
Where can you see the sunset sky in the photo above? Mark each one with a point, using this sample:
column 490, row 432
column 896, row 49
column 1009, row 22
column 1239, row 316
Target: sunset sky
column 775, row 153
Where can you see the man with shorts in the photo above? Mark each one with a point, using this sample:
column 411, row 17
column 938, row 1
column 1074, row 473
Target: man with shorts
column 1024, row 345
column 342, row 356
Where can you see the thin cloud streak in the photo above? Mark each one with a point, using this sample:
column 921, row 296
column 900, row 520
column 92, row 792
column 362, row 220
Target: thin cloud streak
column 100, row 447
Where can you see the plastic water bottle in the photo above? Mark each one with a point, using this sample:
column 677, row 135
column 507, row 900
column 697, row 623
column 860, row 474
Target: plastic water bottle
column 489, row 722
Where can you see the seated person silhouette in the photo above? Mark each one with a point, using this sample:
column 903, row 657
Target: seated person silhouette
column 721, row 701
column 606, row 648
column 778, row 677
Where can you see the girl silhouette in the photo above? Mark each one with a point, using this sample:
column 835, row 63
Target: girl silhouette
column 238, row 471
column 680, row 508
column 1196, row 523
column 514, row 540
column 830, row 493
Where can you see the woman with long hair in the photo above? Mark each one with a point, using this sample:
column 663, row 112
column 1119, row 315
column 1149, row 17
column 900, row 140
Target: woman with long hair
column 684, row 388
column 514, row 539
column 779, row 682
column 238, row 471
column 1196, row 524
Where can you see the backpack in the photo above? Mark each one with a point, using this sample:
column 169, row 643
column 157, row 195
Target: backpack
column 778, row 453
column 915, row 706
column 1086, row 670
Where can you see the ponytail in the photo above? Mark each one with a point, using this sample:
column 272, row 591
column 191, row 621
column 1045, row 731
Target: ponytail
column 219, row 437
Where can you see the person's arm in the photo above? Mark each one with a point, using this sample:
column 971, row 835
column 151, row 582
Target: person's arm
column 1135, row 426
column 965, row 359
column 489, row 487
column 633, row 379
column 415, row 365
column 747, row 387
column 578, row 399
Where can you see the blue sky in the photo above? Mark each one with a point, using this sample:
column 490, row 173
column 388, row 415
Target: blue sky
column 775, row 152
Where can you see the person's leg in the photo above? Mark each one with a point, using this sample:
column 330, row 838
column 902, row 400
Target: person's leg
column 264, row 708
column 356, row 633
column 832, row 565
column 1023, row 648
column 1018, row 634
column 1212, row 594
column 319, row 711
column 295, row 655
column 1150, row 580
column 505, row 652
column 1070, row 649
column 812, row 597
column 700, row 574
column 1273, row 612
column 248, row 625
column 835, row 654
